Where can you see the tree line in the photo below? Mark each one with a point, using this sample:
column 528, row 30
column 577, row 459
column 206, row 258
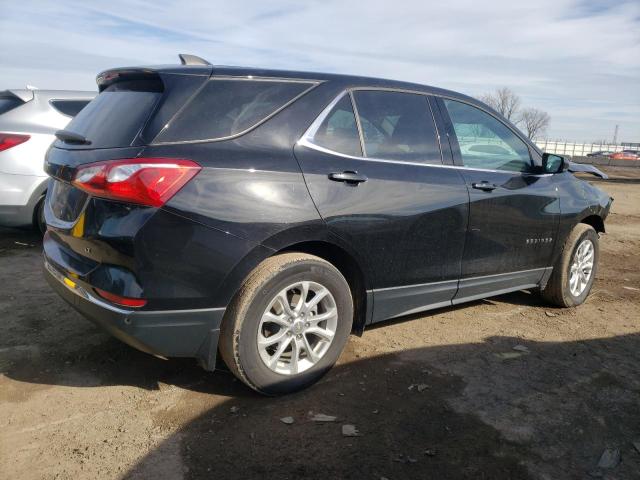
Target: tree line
column 505, row 101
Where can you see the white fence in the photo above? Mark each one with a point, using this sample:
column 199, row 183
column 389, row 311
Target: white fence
column 578, row 149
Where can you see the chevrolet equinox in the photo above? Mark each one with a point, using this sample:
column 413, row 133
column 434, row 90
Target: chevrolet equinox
column 263, row 215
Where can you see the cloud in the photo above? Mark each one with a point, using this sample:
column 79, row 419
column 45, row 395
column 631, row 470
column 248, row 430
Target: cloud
column 580, row 61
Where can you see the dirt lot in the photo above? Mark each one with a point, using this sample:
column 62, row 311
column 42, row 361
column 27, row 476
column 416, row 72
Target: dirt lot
column 75, row 403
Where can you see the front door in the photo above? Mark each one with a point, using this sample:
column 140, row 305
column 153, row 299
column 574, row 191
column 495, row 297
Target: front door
column 379, row 183
column 513, row 210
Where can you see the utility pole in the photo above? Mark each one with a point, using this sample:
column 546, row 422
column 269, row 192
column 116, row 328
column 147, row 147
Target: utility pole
column 615, row 135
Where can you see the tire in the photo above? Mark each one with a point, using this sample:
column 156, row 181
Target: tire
column 558, row 290
column 39, row 223
column 246, row 321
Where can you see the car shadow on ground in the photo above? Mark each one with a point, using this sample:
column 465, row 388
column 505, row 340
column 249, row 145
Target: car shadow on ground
column 91, row 357
column 549, row 411
column 475, row 410
column 18, row 237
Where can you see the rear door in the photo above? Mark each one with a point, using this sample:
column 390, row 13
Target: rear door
column 374, row 167
column 513, row 211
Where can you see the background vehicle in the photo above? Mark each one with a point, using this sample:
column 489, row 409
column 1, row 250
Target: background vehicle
column 28, row 120
column 604, row 153
column 625, row 155
column 267, row 214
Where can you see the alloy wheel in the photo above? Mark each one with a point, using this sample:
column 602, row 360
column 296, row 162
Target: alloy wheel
column 297, row 328
column 581, row 267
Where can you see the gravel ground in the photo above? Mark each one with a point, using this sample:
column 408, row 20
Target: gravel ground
column 501, row 388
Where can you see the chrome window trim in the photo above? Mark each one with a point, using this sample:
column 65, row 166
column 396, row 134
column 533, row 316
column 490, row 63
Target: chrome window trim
column 306, row 143
column 259, row 78
column 312, row 84
column 307, row 137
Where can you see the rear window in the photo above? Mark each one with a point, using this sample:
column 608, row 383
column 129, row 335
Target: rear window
column 69, row 107
column 9, row 102
column 115, row 116
column 228, row 107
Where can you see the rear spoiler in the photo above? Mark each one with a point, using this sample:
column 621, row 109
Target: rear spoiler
column 109, row 77
column 586, row 168
column 26, row 95
column 153, row 74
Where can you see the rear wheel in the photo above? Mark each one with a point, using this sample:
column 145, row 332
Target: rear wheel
column 288, row 324
column 575, row 271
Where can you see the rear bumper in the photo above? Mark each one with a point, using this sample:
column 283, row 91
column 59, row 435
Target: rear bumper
column 171, row 333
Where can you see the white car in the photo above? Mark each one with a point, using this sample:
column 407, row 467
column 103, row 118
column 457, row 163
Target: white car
column 29, row 119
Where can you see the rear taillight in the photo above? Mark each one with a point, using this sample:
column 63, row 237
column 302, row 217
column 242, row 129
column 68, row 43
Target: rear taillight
column 123, row 301
column 8, row 140
column 145, row 181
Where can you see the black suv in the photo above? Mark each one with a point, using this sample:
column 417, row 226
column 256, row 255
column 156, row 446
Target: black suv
column 265, row 215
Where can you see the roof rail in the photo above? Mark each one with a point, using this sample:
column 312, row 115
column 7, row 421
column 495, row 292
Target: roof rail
column 186, row 59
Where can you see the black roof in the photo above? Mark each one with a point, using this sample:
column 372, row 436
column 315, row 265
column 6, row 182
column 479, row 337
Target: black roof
column 238, row 71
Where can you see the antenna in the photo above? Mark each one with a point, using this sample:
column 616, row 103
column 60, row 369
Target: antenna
column 186, row 59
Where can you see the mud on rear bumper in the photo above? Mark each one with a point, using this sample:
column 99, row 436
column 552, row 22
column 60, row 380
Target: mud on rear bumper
column 171, row 333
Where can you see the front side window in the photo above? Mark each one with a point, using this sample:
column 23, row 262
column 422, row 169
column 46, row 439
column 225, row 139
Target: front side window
column 397, row 126
column 228, row 107
column 485, row 142
column 338, row 131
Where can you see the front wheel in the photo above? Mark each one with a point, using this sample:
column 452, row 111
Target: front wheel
column 575, row 271
column 288, row 324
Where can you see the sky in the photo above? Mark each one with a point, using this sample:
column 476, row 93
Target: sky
column 577, row 60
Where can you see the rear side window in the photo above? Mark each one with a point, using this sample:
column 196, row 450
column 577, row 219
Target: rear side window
column 397, row 126
column 338, row 131
column 115, row 116
column 228, row 107
column 69, row 107
column 9, row 102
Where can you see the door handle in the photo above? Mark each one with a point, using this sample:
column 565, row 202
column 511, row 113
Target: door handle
column 484, row 186
column 350, row 177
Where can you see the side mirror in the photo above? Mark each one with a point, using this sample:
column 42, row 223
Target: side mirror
column 552, row 163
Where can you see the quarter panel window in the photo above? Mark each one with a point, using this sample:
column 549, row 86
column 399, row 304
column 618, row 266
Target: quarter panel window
column 227, row 107
column 397, row 126
column 338, row 131
column 485, row 142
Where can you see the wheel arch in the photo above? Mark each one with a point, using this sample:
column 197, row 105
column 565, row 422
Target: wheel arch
column 319, row 244
column 595, row 221
column 349, row 267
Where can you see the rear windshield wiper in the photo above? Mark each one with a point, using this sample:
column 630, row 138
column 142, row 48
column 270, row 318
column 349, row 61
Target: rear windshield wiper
column 71, row 137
